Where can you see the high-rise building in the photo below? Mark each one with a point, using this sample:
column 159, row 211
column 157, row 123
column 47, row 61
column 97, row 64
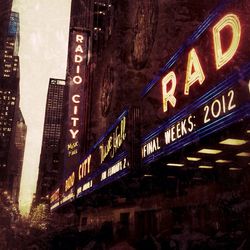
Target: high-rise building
column 16, row 156
column 10, row 57
column 49, row 168
column 9, row 98
column 5, row 11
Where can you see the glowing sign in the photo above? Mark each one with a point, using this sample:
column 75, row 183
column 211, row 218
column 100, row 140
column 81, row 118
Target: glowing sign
column 76, row 96
column 203, row 86
column 194, row 71
column 233, row 22
column 69, row 183
column 77, row 79
column 108, row 159
column 114, row 141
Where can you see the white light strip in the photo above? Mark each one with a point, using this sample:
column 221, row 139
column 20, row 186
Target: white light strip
column 233, row 142
column 234, row 169
column 205, row 167
column 193, row 158
column 175, row 164
column 223, row 161
column 209, row 151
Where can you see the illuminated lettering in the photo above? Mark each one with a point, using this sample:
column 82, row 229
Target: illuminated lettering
column 179, row 129
column 77, row 79
column 79, row 49
column 78, row 58
column 114, row 142
column 74, row 133
column 74, row 119
column 194, row 71
column 79, row 38
column 232, row 21
column 150, row 147
column 168, row 96
column 69, row 183
column 74, row 98
column 84, row 168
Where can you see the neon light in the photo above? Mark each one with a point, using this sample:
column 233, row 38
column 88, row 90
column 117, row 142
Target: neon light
column 69, row 183
column 194, row 71
column 114, row 141
column 168, row 96
column 84, row 168
column 232, row 21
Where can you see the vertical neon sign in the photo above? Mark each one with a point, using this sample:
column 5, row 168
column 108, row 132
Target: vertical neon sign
column 76, row 80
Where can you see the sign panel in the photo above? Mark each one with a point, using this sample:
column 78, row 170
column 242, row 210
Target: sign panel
column 204, row 86
column 107, row 161
column 76, row 72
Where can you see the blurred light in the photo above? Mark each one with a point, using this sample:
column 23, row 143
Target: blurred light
column 234, row 142
column 244, row 154
column 175, row 164
column 193, row 158
column 171, row 177
column 234, row 169
column 248, row 131
column 148, row 175
column 223, row 161
column 205, row 166
column 209, row 151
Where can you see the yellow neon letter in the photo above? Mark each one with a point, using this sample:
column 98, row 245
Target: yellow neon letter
column 194, row 71
column 233, row 22
column 168, row 96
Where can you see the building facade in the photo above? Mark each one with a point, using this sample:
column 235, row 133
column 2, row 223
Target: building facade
column 12, row 125
column 184, row 65
column 49, row 167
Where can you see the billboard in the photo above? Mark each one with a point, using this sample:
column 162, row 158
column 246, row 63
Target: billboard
column 203, row 87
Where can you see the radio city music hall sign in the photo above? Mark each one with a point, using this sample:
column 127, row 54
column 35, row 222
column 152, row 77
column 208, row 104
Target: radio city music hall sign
column 75, row 98
column 203, row 87
column 195, row 72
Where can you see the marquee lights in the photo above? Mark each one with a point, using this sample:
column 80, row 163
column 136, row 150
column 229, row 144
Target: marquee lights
column 194, row 71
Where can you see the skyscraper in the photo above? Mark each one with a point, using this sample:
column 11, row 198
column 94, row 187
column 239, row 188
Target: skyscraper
column 5, row 11
column 16, row 156
column 49, row 168
column 9, row 98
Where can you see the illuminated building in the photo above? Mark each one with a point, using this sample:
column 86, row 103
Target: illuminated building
column 9, row 98
column 10, row 55
column 5, row 11
column 49, row 168
column 192, row 150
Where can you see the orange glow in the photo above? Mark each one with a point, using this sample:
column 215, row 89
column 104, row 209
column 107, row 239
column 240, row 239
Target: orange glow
column 168, row 96
column 69, row 183
column 194, row 71
column 221, row 58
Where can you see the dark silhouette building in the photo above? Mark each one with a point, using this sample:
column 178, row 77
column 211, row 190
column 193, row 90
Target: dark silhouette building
column 16, row 156
column 10, row 112
column 49, row 167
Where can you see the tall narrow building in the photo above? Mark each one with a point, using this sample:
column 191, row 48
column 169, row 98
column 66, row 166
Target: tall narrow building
column 5, row 11
column 16, row 156
column 49, row 167
column 9, row 100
